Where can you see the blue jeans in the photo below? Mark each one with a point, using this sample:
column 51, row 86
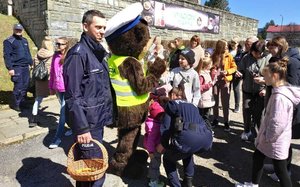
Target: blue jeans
column 62, row 119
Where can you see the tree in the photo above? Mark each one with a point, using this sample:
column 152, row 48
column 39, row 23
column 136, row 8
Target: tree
column 263, row 33
column 220, row 4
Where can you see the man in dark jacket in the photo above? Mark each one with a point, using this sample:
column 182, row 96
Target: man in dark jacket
column 17, row 60
column 88, row 95
column 187, row 133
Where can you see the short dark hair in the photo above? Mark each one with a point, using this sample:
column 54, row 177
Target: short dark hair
column 88, row 16
column 258, row 46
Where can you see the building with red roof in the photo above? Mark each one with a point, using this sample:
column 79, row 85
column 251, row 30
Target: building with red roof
column 290, row 32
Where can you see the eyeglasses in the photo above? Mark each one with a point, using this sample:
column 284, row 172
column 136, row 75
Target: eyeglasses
column 59, row 44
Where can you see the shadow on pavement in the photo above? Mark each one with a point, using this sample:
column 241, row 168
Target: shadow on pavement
column 41, row 172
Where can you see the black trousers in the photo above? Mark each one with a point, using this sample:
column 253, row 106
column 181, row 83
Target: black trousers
column 280, row 167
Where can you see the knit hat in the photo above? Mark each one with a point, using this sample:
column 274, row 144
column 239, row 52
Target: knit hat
column 155, row 110
column 189, row 55
column 209, row 50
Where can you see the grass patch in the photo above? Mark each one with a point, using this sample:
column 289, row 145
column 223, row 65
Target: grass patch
column 6, row 86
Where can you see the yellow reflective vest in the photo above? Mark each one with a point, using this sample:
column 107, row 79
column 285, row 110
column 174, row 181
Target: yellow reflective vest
column 124, row 93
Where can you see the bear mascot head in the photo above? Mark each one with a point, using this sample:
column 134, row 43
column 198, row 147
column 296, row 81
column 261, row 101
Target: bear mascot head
column 128, row 38
column 127, row 34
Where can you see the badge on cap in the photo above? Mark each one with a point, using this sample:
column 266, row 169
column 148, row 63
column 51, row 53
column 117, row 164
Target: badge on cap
column 123, row 21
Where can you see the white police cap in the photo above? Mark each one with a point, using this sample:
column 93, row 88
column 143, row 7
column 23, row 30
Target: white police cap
column 123, row 21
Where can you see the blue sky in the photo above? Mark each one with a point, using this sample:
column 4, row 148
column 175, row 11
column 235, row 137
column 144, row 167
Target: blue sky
column 265, row 10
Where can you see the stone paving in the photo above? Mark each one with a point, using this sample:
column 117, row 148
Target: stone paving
column 223, row 166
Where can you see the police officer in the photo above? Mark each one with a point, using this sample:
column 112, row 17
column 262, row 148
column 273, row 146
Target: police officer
column 87, row 90
column 17, row 60
column 183, row 133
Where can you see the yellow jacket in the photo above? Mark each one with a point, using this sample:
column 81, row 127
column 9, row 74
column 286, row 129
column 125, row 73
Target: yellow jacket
column 229, row 66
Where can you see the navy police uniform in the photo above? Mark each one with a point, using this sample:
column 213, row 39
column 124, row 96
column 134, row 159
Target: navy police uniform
column 88, row 96
column 17, row 57
column 183, row 133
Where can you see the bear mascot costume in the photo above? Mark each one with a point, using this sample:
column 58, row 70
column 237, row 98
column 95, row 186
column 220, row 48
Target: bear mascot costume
column 128, row 38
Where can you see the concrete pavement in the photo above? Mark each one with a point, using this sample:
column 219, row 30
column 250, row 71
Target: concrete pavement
column 14, row 125
column 222, row 170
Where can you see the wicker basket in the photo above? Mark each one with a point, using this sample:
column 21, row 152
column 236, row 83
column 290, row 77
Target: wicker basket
column 87, row 169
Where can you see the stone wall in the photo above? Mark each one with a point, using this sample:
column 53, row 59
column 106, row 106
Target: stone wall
column 3, row 6
column 32, row 14
column 63, row 18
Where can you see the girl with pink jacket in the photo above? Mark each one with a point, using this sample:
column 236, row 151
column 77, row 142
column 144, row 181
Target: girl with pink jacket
column 275, row 133
column 151, row 140
column 56, row 85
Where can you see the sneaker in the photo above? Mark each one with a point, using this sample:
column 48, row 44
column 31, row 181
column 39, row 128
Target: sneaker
column 156, row 183
column 215, row 123
column 226, row 128
column 16, row 108
column 68, row 133
column 55, row 144
column 246, row 184
column 274, row 177
column 245, row 135
column 32, row 121
column 236, row 110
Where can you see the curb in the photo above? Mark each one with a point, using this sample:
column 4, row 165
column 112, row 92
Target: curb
column 24, row 136
column 14, row 129
column 7, row 107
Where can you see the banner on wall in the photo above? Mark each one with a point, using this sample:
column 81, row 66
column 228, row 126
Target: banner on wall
column 170, row 16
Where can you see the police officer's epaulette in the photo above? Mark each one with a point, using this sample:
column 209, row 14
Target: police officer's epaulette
column 77, row 48
column 11, row 39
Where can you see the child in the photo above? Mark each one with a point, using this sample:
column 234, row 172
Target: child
column 151, row 140
column 56, row 85
column 274, row 135
column 206, row 83
column 183, row 133
column 225, row 66
column 41, row 86
column 186, row 75
column 208, row 52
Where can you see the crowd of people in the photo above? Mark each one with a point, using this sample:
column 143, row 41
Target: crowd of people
column 184, row 103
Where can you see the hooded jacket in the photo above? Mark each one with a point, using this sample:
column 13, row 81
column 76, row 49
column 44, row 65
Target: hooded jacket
column 293, row 69
column 275, row 132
